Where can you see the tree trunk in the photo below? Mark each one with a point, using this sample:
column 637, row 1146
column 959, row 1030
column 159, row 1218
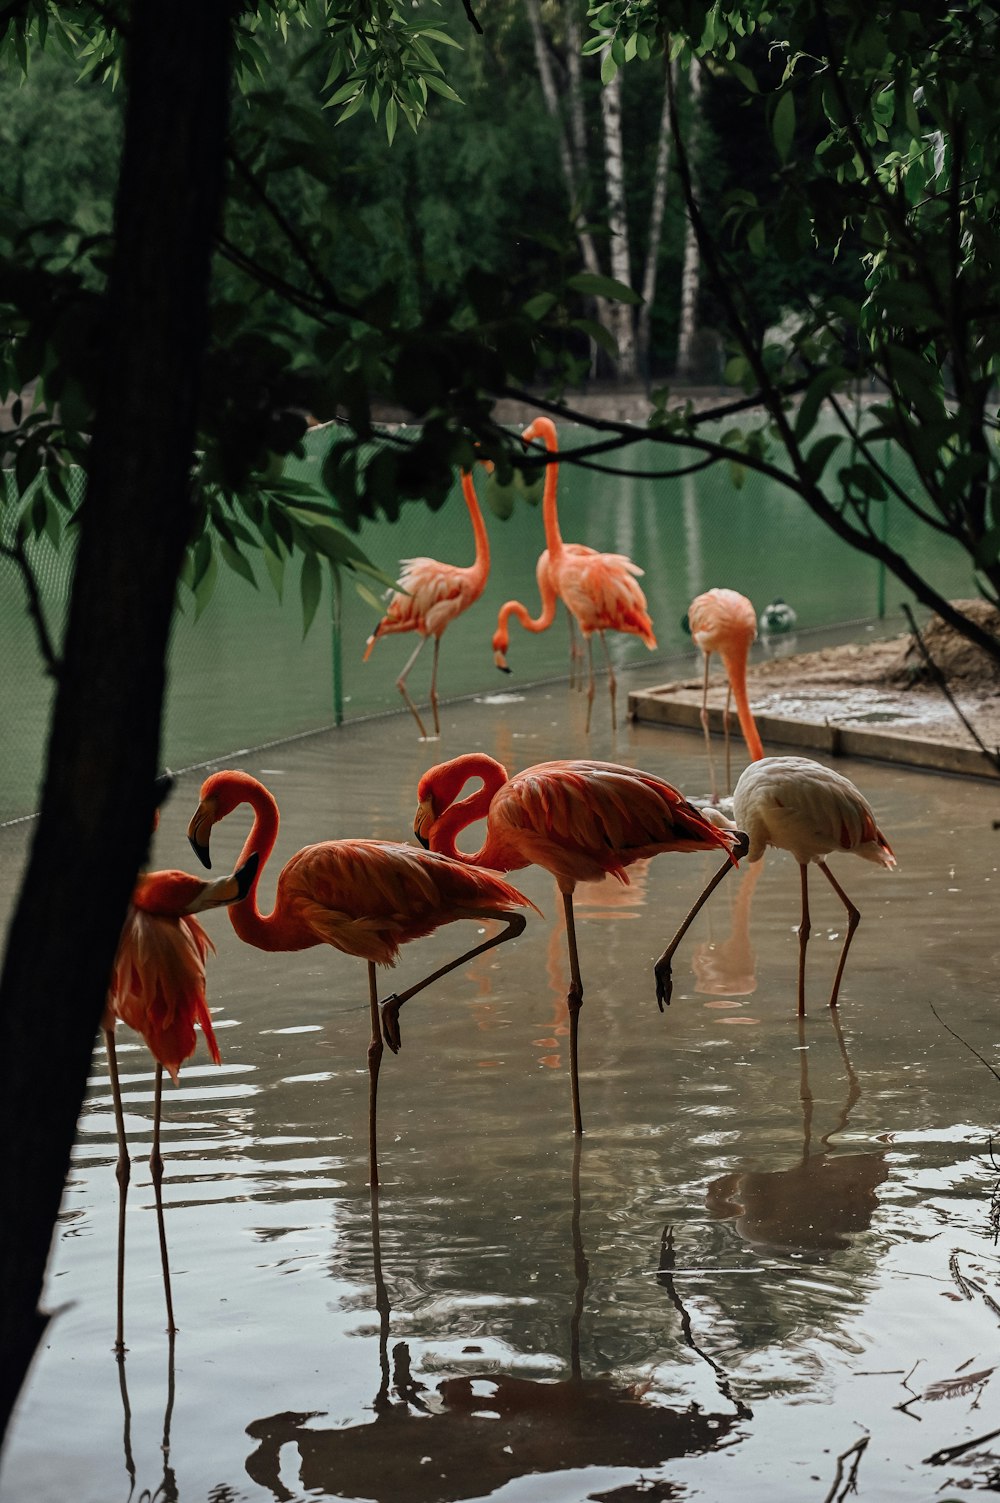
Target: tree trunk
column 691, row 274
column 657, row 209
column 98, row 795
column 573, row 170
column 622, row 317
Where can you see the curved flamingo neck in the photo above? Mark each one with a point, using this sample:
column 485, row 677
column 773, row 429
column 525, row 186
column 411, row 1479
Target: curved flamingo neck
column 734, row 660
column 541, row 622
column 252, row 926
column 481, row 567
column 456, row 816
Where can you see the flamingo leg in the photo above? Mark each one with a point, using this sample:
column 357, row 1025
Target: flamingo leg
column 574, row 1001
column 434, row 692
column 401, row 685
column 704, row 726
column 156, row 1170
column 729, row 747
column 574, row 651
column 661, row 968
column 374, row 1062
column 805, row 929
column 853, row 920
column 612, row 682
column 590, row 683
column 123, row 1172
column 515, row 923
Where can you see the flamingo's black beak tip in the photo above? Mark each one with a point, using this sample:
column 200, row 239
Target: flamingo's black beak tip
column 202, row 852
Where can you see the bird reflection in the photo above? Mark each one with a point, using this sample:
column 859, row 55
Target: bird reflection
column 818, row 1204
column 474, row 1433
column 167, row 1490
column 728, row 969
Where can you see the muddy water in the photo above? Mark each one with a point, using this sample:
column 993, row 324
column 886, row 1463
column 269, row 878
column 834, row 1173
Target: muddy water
column 773, row 1245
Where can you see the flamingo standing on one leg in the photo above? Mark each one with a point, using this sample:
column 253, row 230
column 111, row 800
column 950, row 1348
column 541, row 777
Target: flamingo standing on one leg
column 724, row 621
column 428, row 597
column 800, row 806
column 364, row 897
column 580, row 820
column 600, row 590
column 158, row 988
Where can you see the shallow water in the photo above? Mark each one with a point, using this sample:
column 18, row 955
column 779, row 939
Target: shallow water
column 771, row 1244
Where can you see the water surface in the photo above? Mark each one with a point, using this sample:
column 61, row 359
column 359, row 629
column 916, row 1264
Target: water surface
column 772, row 1245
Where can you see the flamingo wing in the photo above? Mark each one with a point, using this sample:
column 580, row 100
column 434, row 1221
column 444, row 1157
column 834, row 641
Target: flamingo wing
column 601, row 590
column 158, row 984
column 580, row 819
column 367, row 897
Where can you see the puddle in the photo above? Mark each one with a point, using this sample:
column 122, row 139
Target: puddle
column 771, row 1244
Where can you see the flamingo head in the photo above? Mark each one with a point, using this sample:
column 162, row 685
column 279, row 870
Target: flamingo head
column 220, row 795
column 542, row 428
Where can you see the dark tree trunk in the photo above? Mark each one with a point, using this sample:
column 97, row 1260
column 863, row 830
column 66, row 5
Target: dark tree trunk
column 97, row 802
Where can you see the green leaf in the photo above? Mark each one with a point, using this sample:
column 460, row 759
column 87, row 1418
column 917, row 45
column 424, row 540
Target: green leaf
column 275, row 567
column 542, row 303
column 598, row 333
column 594, row 285
column 816, row 394
column 391, row 117
column 206, row 583
column 783, row 125
column 234, row 558
column 608, row 67
column 819, row 454
column 311, row 586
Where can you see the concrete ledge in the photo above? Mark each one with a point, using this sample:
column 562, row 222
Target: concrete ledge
column 678, row 705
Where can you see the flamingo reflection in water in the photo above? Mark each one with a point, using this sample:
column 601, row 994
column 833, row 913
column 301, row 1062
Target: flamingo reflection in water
column 818, row 1204
column 473, row 1433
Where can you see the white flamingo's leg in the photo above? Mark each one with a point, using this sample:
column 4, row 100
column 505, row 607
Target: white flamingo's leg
column 804, row 931
column 401, row 685
column 612, row 681
column 156, row 1169
column 574, row 1001
column 123, row 1172
column 708, row 738
column 853, row 920
column 514, row 922
column 434, row 692
column 374, row 1062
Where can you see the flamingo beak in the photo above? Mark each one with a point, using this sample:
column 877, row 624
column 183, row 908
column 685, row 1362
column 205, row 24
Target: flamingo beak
column 226, row 890
column 200, row 830
column 423, row 821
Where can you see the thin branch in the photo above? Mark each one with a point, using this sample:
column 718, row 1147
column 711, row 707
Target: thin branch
column 844, row 1484
column 971, row 1048
column 306, row 302
column 19, row 557
column 942, row 683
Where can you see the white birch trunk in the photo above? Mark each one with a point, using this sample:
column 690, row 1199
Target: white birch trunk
column 691, row 274
column 655, row 235
column 623, row 321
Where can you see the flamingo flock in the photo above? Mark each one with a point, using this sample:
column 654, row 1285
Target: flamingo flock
column 579, row 819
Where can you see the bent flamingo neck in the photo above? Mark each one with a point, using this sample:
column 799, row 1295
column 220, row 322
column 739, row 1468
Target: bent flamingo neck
column 252, row 926
column 735, row 664
column 443, row 784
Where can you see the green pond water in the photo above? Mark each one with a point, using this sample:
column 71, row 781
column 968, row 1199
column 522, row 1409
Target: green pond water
column 772, row 1249
column 242, row 675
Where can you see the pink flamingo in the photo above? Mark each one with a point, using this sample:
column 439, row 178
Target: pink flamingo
column 724, row 621
column 579, row 820
column 429, row 596
column 158, row 988
column 598, row 589
column 364, row 897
